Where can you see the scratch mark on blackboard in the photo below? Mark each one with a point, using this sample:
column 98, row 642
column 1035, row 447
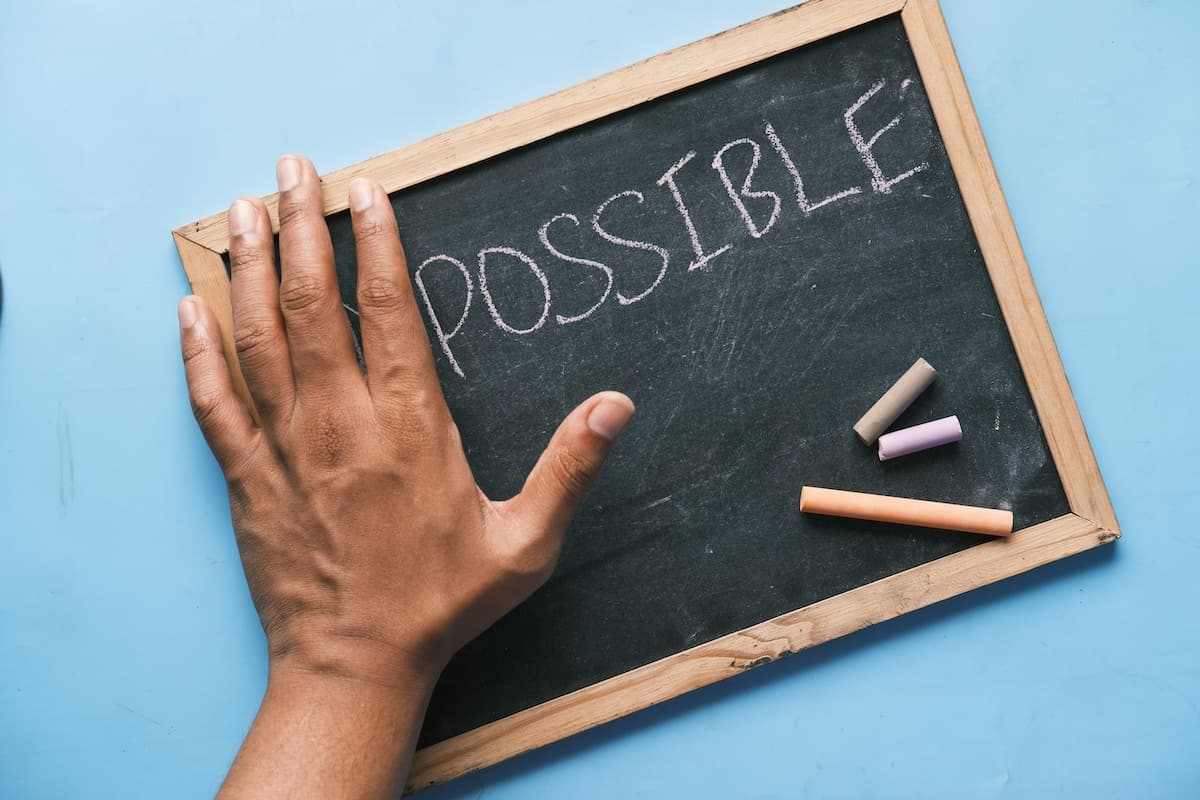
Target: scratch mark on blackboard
column 562, row 387
column 657, row 502
column 829, row 337
column 786, row 314
column 734, row 335
column 66, row 462
column 651, row 450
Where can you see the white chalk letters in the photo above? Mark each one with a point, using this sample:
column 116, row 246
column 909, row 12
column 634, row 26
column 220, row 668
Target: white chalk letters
column 878, row 182
column 633, row 243
column 439, row 329
column 736, row 195
column 544, row 237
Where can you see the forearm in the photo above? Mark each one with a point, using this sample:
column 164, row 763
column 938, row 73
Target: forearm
column 329, row 736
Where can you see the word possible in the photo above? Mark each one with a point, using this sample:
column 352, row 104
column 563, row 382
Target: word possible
column 701, row 256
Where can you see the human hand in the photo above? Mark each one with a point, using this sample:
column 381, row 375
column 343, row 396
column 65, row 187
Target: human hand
column 369, row 550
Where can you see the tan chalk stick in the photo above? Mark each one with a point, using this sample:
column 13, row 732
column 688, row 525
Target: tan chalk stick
column 901, row 510
column 910, row 385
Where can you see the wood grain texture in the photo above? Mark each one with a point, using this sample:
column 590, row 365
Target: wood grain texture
column 618, row 90
column 733, row 654
column 1011, row 278
column 1092, row 523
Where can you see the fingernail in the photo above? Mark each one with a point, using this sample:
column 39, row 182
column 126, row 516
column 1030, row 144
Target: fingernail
column 287, row 173
column 188, row 313
column 610, row 416
column 241, row 218
column 362, row 194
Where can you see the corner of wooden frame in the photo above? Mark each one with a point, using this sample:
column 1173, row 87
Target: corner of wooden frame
column 205, row 270
column 1101, row 529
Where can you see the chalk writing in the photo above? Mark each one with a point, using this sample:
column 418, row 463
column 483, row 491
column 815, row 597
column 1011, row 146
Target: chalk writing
column 668, row 180
column 878, row 182
column 736, row 195
column 749, row 202
column 801, row 198
column 544, row 236
column 662, row 252
column 439, row 330
column 487, row 295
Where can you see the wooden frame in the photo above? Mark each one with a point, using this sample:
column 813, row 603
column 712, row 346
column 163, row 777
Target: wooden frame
column 1090, row 523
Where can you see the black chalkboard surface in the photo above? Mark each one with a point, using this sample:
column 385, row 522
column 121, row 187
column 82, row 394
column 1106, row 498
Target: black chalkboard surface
column 753, row 240
column 748, row 370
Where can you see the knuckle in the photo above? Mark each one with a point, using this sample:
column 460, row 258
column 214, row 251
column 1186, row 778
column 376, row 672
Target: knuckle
column 195, row 347
column 411, row 434
column 250, row 478
column 238, row 488
column 379, row 292
column 411, row 411
column 245, row 256
column 253, row 338
column 238, row 484
column 301, row 293
column 571, row 472
column 208, row 407
column 291, row 212
column 370, row 231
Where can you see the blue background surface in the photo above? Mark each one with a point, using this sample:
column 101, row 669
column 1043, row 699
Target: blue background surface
column 130, row 659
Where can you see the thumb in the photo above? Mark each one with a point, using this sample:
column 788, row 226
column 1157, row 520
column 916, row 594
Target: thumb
column 567, row 466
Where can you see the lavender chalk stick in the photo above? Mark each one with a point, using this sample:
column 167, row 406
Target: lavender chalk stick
column 919, row 437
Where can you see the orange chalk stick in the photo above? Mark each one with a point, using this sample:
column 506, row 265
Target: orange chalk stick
column 901, row 510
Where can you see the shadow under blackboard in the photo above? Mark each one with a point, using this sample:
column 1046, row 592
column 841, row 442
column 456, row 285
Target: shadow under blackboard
column 471, row 786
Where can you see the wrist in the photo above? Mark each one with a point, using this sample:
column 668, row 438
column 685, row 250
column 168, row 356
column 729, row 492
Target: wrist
column 355, row 698
column 337, row 661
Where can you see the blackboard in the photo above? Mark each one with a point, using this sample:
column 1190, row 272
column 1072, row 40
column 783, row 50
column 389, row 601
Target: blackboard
column 748, row 371
column 753, row 257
